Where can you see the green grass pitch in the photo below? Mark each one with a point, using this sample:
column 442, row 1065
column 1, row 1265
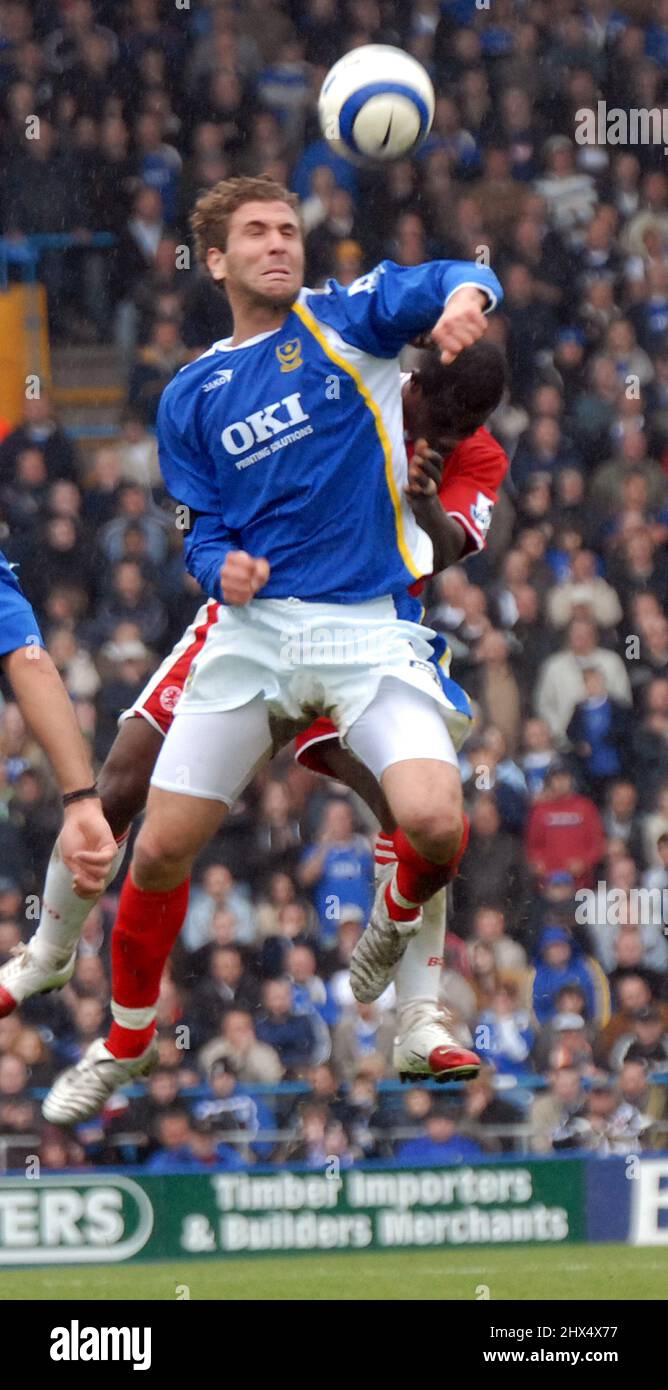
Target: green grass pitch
column 590, row 1272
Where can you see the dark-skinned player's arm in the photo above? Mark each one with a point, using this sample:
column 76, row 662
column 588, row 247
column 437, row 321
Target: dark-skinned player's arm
column 454, row 504
column 425, row 470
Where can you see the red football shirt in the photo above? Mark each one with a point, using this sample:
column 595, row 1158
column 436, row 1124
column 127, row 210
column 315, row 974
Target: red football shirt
column 472, row 475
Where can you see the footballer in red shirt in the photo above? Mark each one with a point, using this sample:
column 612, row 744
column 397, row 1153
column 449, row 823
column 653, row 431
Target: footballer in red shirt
column 454, row 481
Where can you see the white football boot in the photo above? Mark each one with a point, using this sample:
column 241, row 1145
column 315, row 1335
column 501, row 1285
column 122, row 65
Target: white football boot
column 379, row 949
column 81, row 1091
column 23, row 976
column 425, row 1050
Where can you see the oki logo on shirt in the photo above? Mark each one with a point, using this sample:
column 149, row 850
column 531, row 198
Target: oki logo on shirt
column 263, row 424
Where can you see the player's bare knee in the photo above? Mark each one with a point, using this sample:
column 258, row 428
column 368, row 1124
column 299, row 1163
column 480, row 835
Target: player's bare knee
column 435, row 831
column 157, row 862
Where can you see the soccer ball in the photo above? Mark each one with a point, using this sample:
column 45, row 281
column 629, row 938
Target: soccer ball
column 376, row 103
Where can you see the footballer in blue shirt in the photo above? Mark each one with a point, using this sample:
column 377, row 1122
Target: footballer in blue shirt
column 283, row 447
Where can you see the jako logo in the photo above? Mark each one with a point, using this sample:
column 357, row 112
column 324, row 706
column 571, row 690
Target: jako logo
column 262, row 424
column 220, row 379
column 76, row 1343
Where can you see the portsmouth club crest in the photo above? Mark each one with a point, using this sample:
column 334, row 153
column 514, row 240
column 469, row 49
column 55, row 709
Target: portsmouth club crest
column 290, row 355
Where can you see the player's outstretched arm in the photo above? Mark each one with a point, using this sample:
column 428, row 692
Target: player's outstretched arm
column 387, row 308
column 86, row 842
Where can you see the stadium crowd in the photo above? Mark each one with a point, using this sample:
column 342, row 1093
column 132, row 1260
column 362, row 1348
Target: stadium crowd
column 558, row 630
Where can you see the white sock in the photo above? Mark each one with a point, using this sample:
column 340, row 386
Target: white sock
column 63, row 912
column 418, row 976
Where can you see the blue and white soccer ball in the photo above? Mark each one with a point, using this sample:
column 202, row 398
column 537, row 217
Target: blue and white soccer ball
column 376, row 104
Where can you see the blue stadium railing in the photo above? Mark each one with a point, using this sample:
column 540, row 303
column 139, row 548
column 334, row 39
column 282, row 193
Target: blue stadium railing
column 25, row 254
column 282, row 1089
column 131, row 1146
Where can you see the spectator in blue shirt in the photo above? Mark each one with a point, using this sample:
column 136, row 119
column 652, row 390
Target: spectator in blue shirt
column 599, row 731
column 230, row 1106
column 292, row 1035
column 504, row 1036
column 440, row 1145
column 159, row 164
column 337, row 869
column 312, row 997
column 283, row 87
column 310, row 993
column 182, row 1151
column 561, row 964
column 316, row 155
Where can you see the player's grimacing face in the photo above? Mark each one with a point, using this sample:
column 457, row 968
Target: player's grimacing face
column 264, row 256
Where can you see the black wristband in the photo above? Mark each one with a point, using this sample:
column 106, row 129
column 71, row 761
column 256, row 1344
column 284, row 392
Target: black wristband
column 69, row 797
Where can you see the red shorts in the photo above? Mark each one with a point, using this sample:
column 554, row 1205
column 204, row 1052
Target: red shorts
column 309, row 743
column 162, row 692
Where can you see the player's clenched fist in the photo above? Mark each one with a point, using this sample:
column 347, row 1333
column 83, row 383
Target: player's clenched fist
column 461, row 324
column 425, row 470
column 241, row 576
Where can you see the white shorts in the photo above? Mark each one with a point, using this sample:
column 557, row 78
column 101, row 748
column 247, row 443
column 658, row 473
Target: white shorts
column 159, row 698
column 214, row 754
column 290, row 660
column 157, row 701
column 307, row 659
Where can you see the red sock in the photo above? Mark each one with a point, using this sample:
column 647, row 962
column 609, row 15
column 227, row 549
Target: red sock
column 145, row 930
column 418, row 878
column 129, row 1042
column 400, row 911
column 383, row 850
